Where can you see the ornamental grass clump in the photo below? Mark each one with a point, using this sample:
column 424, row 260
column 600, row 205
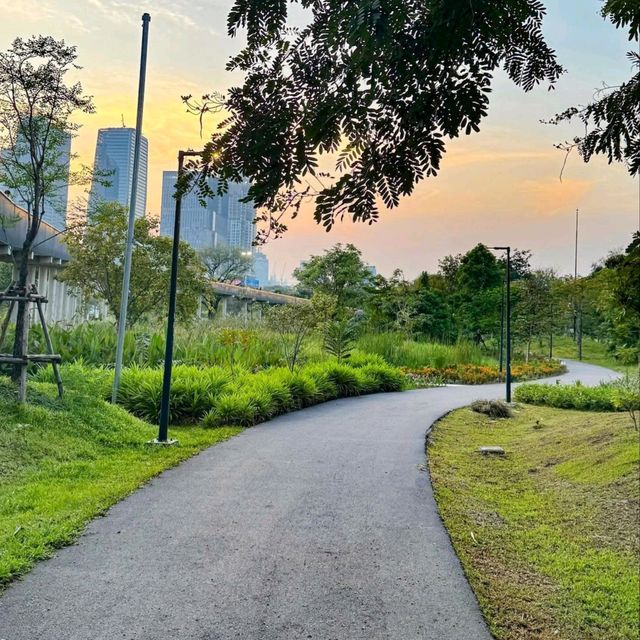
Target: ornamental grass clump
column 234, row 409
column 193, row 391
column 492, row 408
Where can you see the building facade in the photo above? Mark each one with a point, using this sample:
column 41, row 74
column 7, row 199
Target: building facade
column 202, row 227
column 114, row 156
column 223, row 220
column 260, row 268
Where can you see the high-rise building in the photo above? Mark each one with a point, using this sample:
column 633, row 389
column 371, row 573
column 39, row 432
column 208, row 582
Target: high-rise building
column 224, row 219
column 114, row 155
column 260, row 269
column 242, row 228
column 201, row 227
column 57, row 199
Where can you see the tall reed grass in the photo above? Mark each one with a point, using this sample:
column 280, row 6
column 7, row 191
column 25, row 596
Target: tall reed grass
column 399, row 351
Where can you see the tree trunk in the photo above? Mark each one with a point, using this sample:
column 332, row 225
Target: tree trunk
column 21, row 339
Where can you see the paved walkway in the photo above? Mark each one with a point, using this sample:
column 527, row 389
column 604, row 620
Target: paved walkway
column 319, row 524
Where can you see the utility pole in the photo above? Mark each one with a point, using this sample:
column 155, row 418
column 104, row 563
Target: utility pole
column 128, row 253
column 163, row 429
column 577, row 307
column 508, row 322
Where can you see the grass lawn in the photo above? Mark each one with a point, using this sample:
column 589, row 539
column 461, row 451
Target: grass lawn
column 592, row 351
column 63, row 462
column 548, row 535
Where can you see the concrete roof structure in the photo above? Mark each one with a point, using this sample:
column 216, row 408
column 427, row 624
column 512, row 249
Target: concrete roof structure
column 48, row 246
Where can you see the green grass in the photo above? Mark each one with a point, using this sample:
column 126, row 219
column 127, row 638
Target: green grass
column 593, row 352
column 63, row 462
column 548, row 534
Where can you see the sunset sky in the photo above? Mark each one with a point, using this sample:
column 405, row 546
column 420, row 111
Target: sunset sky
column 500, row 186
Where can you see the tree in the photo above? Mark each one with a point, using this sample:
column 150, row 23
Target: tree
column 293, row 323
column 96, row 267
column 612, row 121
column 223, row 263
column 377, row 85
column 36, row 107
column 534, row 312
column 477, row 299
column 339, row 273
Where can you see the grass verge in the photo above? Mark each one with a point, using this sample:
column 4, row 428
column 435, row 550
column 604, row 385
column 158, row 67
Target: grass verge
column 63, row 462
column 548, row 535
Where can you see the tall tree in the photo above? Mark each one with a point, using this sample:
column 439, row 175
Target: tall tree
column 339, row 273
column 223, row 263
column 36, row 107
column 377, row 85
column 477, row 298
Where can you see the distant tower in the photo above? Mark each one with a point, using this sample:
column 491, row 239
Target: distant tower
column 114, row 154
column 201, row 227
column 242, row 229
column 223, row 221
column 261, row 268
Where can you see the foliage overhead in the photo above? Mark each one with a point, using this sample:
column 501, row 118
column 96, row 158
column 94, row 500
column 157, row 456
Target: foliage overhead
column 376, row 85
column 612, row 121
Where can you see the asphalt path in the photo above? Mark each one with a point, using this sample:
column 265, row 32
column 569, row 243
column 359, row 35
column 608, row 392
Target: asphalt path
column 318, row 524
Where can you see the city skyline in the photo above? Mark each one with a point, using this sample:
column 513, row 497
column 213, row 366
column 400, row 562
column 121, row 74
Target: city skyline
column 499, row 186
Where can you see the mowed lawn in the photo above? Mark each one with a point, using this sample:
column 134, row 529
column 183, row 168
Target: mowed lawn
column 62, row 462
column 548, row 535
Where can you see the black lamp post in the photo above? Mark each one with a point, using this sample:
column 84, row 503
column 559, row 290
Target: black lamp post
column 173, row 289
column 508, row 323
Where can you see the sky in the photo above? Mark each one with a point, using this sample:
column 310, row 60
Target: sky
column 500, row 187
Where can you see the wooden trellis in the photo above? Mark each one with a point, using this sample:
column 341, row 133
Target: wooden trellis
column 14, row 296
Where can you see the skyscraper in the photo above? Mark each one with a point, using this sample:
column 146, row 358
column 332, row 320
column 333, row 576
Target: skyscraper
column 114, row 155
column 201, row 227
column 57, row 200
column 224, row 219
column 242, row 229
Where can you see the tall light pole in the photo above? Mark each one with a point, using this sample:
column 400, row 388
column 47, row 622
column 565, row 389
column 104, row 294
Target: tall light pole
column 163, row 429
column 577, row 305
column 128, row 252
column 508, row 322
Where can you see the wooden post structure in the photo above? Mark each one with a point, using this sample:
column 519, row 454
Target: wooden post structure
column 11, row 296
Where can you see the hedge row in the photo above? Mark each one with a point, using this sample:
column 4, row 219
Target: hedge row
column 217, row 396
column 620, row 395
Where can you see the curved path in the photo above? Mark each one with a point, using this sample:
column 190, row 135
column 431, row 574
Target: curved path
column 319, row 524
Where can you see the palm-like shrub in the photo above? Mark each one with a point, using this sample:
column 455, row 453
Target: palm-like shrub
column 232, row 409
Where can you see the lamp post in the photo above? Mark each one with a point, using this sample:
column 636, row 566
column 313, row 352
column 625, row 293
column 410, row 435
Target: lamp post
column 173, row 289
column 508, row 323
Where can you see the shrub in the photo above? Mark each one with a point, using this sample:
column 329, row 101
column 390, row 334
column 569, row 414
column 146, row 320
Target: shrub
column 345, row 378
column 326, row 388
column 303, row 388
column 193, row 391
column 233, row 409
column 620, row 395
column 492, row 408
column 384, row 377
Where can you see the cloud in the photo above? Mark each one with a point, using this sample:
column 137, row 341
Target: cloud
column 117, row 10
